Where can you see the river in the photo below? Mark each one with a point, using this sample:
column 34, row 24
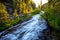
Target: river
column 30, row 31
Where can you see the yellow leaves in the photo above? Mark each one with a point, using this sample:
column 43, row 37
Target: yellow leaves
column 2, row 6
column 3, row 12
column 4, row 16
column 24, row 6
column 29, row 1
column 15, row 14
column 31, row 9
column 20, row 6
column 26, row 11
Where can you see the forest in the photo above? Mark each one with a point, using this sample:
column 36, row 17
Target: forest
column 52, row 15
column 13, row 12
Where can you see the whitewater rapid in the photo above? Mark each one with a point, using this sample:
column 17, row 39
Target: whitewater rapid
column 30, row 31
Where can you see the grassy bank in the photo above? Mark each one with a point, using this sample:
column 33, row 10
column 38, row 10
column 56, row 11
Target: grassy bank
column 5, row 25
column 52, row 15
column 54, row 22
column 11, row 23
column 53, row 19
column 35, row 12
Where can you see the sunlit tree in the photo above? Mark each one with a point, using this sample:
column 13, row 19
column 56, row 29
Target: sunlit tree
column 15, row 14
column 4, row 17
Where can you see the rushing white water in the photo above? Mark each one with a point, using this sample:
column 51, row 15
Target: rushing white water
column 31, row 31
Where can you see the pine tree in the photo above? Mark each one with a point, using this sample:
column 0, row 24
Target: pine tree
column 15, row 15
column 4, row 17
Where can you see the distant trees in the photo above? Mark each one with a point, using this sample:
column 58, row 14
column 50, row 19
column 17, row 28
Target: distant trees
column 26, row 6
column 40, row 5
column 33, row 5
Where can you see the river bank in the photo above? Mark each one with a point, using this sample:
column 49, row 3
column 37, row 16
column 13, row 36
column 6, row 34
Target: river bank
column 53, row 26
column 30, row 30
column 51, row 33
column 13, row 27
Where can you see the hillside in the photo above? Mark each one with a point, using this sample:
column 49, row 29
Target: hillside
column 52, row 15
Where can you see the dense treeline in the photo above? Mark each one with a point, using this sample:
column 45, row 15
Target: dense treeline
column 13, row 11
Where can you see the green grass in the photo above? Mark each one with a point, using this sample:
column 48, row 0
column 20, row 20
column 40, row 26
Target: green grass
column 35, row 12
column 53, row 19
column 15, row 21
column 12, row 22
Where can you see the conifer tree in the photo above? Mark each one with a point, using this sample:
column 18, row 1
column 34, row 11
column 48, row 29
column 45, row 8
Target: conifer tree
column 4, row 17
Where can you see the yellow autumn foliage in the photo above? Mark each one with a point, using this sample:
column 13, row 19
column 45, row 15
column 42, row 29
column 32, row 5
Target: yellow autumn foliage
column 15, row 15
column 4, row 16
